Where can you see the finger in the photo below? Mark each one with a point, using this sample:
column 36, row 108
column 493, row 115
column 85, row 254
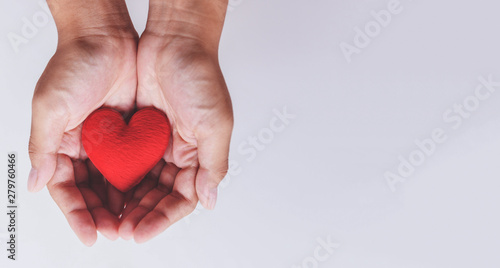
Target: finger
column 147, row 184
column 116, row 199
column 68, row 197
column 144, row 202
column 105, row 222
column 167, row 177
column 81, row 172
column 147, row 204
column 97, row 182
column 213, row 153
column 129, row 207
column 141, row 206
column 48, row 123
column 178, row 204
column 128, row 197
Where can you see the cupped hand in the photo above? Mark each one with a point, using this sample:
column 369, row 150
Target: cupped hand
column 84, row 74
column 182, row 78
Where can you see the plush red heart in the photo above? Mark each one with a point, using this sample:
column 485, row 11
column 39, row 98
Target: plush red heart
column 123, row 153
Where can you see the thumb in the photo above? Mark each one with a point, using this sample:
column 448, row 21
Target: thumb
column 48, row 123
column 213, row 153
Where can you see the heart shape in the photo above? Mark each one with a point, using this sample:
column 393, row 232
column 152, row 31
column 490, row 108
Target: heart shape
column 123, row 153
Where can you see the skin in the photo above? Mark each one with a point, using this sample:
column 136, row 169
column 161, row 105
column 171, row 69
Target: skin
column 173, row 67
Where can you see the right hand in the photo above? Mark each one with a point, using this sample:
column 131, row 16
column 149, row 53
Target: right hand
column 84, row 74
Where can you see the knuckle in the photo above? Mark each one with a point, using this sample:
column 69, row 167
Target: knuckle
column 48, row 102
column 189, row 198
column 220, row 172
column 32, row 149
column 191, row 205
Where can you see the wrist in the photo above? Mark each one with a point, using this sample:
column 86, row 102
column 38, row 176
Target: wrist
column 79, row 19
column 198, row 23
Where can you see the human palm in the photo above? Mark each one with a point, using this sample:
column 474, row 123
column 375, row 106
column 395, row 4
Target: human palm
column 185, row 81
column 81, row 76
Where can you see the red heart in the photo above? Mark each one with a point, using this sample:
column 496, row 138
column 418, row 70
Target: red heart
column 123, row 153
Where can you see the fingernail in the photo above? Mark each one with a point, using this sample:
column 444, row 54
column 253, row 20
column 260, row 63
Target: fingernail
column 212, row 198
column 32, row 180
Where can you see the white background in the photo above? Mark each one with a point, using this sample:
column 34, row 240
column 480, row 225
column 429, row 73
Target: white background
column 323, row 175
